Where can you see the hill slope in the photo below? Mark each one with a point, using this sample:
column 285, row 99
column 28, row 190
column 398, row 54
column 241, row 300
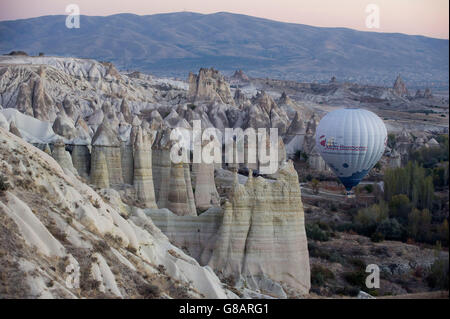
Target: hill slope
column 175, row 43
column 58, row 234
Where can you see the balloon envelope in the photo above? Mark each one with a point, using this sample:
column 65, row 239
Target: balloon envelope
column 351, row 141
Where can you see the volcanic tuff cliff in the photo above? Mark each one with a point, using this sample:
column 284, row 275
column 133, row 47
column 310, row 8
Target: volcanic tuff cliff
column 257, row 239
column 111, row 135
column 58, row 234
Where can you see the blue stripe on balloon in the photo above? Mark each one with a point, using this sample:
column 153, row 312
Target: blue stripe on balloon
column 353, row 180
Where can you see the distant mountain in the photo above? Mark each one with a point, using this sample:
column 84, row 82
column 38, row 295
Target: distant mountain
column 176, row 43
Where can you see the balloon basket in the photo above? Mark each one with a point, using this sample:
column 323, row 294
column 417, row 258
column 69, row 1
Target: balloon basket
column 350, row 194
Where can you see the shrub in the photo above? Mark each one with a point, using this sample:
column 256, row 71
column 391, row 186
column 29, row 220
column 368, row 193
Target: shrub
column 390, row 229
column 367, row 219
column 356, row 278
column 4, row 185
column 377, row 237
column 438, row 277
column 319, row 275
column 399, row 207
column 161, row 269
column 317, row 252
column 315, row 186
column 314, row 232
column 149, row 291
column 443, row 232
column 391, row 140
column 347, row 291
column 369, row 188
column 304, row 156
column 96, row 204
column 419, row 225
column 335, row 257
column 358, row 263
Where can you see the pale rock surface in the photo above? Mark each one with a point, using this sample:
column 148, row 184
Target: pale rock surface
column 209, row 85
column 240, row 99
column 400, row 87
column 125, row 110
column 81, row 159
column 239, row 76
column 192, row 233
column 309, row 140
column 106, row 141
column 101, row 272
column 14, row 130
column 86, row 220
column 127, row 162
column 64, row 126
column 31, row 228
column 294, row 137
column 43, row 105
column 30, row 129
column 83, row 133
column 189, row 190
column 178, row 201
column 206, row 194
column 269, row 114
column 23, row 101
column 63, row 157
column 143, row 176
column 161, row 164
column 256, row 239
column 316, row 161
column 262, row 238
column 99, row 170
column 4, row 122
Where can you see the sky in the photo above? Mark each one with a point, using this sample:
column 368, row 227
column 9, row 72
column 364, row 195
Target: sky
column 418, row 17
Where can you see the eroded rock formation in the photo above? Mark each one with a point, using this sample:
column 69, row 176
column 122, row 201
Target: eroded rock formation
column 143, row 177
column 209, row 85
column 256, row 239
column 178, row 201
column 63, row 157
column 400, row 87
column 262, row 237
column 99, row 170
column 81, row 159
column 105, row 141
column 206, row 194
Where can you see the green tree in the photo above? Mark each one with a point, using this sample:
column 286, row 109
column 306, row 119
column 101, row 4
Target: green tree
column 391, row 140
column 438, row 277
column 412, row 181
column 419, row 225
column 443, row 232
column 367, row 219
column 315, row 186
column 400, row 207
column 440, row 175
column 390, row 229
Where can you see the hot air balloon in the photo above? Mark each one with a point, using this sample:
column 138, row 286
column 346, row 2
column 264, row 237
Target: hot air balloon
column 351, row 141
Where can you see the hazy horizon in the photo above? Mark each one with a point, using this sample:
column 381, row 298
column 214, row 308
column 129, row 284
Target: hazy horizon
column 413, row 17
